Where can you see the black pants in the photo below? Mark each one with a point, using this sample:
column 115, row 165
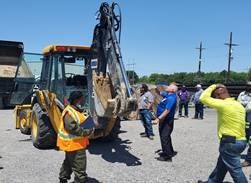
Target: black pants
column 199, row 111
column 185, row 105
column 165, row 130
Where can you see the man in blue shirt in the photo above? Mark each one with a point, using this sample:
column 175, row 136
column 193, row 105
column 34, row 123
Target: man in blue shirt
column 165, row 118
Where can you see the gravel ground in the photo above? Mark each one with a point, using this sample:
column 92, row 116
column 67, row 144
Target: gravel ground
column 128, row 159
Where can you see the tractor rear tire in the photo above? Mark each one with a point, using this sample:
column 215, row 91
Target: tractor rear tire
column 42, row 133
column 23, row 123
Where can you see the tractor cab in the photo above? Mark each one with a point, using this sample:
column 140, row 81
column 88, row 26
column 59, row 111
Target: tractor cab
column 59, row 70
column 65, row 69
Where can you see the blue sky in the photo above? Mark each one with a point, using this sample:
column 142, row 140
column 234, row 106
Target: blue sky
column 159, row 36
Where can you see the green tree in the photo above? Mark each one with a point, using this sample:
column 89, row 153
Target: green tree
column 132, row 76
column 249, row 75
column 194, row 78
column 144, row 79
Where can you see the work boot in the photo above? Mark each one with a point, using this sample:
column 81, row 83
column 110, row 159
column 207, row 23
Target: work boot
column 245, row 164
column 62, row 180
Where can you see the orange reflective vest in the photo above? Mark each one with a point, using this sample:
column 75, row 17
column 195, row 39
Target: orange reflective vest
column 69, row 142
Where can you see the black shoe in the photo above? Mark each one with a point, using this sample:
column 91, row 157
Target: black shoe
column 0, row 156
column 163, row 158
column 142, row 133
column 1, row 167
column 200, row 181
column 160, row 153
column 174, row 153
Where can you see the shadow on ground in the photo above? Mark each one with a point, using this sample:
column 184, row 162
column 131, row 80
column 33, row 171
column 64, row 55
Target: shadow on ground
column 116, row 151
column 25, row 140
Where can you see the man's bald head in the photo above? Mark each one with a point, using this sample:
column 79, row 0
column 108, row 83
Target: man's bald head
column 172, row 88
column 220, row 92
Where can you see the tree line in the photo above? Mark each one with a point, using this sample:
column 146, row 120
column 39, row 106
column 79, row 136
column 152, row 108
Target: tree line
column 191, row 77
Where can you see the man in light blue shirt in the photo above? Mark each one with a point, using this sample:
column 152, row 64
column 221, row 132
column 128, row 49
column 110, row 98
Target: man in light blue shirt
column 199, row 111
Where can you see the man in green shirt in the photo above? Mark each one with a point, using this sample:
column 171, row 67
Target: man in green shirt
column 231, row 132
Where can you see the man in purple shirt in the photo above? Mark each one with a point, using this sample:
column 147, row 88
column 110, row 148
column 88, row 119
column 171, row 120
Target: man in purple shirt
column 183, row 95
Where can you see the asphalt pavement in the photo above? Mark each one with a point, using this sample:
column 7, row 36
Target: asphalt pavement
column 130, row 158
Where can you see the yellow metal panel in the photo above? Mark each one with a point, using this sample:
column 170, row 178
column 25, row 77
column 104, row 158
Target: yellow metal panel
column 53, row 111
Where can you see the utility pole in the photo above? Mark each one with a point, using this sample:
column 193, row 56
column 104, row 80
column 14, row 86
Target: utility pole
column 230, row 50
column 200, row 52
column 131, row 65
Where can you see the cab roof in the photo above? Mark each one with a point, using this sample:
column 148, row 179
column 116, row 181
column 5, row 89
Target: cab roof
column 67, row 49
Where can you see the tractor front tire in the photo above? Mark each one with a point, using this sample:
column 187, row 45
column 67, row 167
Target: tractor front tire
column 42, row 133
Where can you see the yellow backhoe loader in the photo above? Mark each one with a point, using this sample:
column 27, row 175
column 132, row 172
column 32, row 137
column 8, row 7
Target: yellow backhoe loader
column 102, row 79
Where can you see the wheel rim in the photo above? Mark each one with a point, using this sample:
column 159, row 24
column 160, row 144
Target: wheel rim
column 34, row 126
column 23, row 123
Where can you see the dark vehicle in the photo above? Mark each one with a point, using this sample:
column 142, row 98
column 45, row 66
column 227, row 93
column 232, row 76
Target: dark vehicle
column 11, row 55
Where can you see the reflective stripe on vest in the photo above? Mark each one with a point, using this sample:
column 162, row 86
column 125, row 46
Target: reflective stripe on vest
column 247, row 125
column 70, row 142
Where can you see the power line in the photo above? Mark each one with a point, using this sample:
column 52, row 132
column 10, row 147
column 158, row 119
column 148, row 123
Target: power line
column 230, row 57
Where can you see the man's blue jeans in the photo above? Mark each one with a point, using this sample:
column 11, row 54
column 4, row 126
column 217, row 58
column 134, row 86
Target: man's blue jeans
column 229, row 161
column 146, row 118
column 248, row 135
